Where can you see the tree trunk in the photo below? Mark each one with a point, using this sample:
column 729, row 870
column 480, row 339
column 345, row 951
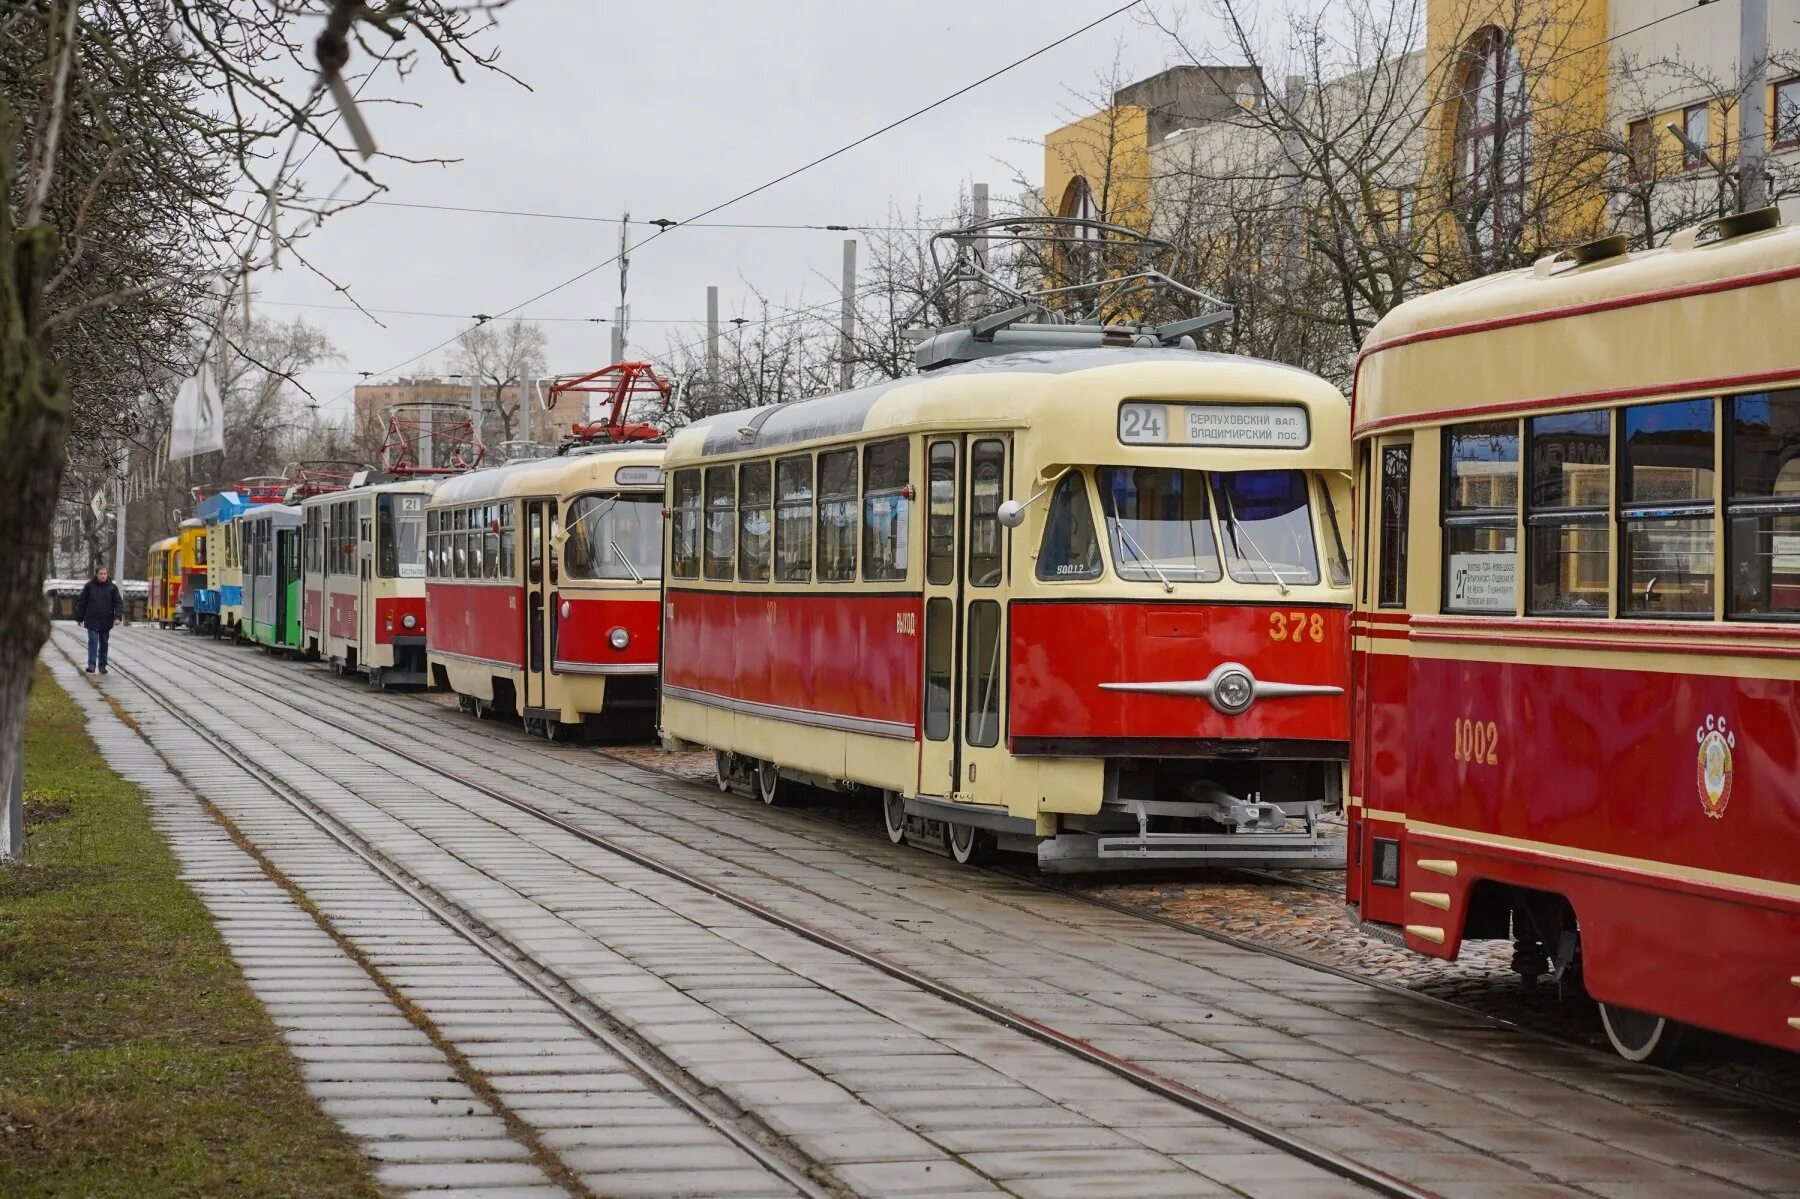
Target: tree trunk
column 34, row 413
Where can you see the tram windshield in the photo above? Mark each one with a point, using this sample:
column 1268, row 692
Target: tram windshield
column 615, row 537
column 400, row 536
column 1168, row 525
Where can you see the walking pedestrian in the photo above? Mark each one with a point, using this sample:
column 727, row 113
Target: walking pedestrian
column 99, row 608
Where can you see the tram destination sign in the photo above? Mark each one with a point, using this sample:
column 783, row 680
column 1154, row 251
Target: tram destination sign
column 1255, row 426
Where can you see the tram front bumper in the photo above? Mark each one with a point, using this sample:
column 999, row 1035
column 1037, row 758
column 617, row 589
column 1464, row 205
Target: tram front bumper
column 1076, row 852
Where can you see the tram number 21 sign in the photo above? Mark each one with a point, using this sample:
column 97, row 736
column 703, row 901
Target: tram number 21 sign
column 1257, row 426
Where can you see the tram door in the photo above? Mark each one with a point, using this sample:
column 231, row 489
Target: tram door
column 364, row 636
column 540, row 598
column 965, row 619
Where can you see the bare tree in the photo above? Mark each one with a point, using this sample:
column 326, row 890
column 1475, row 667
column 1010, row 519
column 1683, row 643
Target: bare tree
column 124, row 126
column 500, row 354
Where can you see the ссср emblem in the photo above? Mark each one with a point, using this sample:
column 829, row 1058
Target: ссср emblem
column 1712, row 767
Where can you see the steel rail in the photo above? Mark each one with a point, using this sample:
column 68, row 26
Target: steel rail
column 419, row 891
column 1323, row 1157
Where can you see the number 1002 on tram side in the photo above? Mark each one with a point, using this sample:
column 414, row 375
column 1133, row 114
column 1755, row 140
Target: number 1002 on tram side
column 1089, row 604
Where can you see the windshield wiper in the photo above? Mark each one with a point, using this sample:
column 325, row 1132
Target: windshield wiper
column 1237, row 528
column 635, row 576
column 1137, row 551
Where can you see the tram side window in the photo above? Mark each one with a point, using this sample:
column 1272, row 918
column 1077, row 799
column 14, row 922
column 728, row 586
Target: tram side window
column 1481, row 505
column 940, row 661
column 459, row 543
column 887, row 513
column 982, row 722
column 490, row 556
column 1666, row 509
column 721, row 520
column 1569, row 457
column 1762, row 510
column 1158, row 524
column 754, row 533
column 431, row 544
column 684, row 531
column 940, row 531
column 1396, row 512
column 837, row 516
column 987, row 485
column 1070, row 549
column 509, row 540
column 793, row 519
column 1337, row 556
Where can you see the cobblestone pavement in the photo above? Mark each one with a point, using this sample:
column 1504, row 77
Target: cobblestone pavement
column 1447, row 1101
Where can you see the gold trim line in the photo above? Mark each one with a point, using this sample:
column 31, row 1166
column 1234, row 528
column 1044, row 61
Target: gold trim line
column 1432, row 899
column 1428, row 932
column 1443, row 866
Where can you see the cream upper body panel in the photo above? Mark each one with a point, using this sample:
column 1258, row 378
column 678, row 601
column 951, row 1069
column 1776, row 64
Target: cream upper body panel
column 1559, row 335
column 559, row 476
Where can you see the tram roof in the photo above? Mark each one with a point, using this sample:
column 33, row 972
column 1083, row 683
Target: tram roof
column 1557, row 335
column 988, row 391
column 590, row 467
column 409, row 486
column 281, row 514
column 164, row 544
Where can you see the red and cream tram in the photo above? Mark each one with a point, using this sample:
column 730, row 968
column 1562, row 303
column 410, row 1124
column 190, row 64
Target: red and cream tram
column 363, row 592
column 1090, row 604
column 1577, row 699
column 542, row 588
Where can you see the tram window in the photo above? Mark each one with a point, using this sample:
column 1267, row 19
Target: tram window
column 982, row 726
column 490, row 556
column 1337, row 557
column 1158, row 524
column 509, row 560
column 459, row 544
column 887, row 513
column 940, row 661
column 837, row 516
column 721, row 520
column 1396, row 513
column 1481, row 524
column 793, row 519
column 431, row 544
column 614, row 537
column 1762, row 526
column 477, row 543
column 987, row 484
column 754, row 533
column 1569, row 457
column 940, row 532
column 1070, row 549
column 684, row 532
column 1666, row 509
column 1266, row 525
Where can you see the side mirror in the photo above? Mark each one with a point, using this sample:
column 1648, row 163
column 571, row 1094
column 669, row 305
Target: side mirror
column 1011, row 513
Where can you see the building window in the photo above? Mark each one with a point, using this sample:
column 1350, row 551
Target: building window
column 1696, row 123
column 1762, row 525
column 1493, row 134
column 887, row 511
column 1481, row 506
column 1569, row 457
column 793, row 519
column 1666, row 509
column 1786, row 113
column 1640, row 144
column 754, row 524
column 1396, row 488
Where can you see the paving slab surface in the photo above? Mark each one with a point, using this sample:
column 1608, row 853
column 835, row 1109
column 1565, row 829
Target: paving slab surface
column 875, row 1080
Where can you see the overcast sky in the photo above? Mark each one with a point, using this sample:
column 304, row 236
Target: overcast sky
column 665, row 109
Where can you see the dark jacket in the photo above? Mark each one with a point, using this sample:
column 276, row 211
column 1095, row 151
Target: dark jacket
column 100, row 606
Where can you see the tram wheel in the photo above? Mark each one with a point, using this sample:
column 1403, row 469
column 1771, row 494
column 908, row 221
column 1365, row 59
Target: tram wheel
column 722, row 769
column 768, row 783
column 893, row 812
column 966, row 843
column 556, row 730
column 1641, row 1036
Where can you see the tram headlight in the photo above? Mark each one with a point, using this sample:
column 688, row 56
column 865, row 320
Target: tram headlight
column 618, row 639
column 1233, row 690
column 409, row 621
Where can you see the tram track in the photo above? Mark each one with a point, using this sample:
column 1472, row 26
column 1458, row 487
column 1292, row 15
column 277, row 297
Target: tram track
column 1338, row 1164
column 483, row 939
column 1725, row 1087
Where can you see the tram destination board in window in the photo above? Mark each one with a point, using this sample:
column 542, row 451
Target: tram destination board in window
column 1252, row 426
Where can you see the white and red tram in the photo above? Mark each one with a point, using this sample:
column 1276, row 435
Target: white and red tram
column 363, row 588
column 543, row 586
column 1113, row 632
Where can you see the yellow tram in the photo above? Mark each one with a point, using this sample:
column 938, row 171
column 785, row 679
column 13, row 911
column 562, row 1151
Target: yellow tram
column 162, row 567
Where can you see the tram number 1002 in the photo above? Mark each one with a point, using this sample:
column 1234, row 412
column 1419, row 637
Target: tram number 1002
column 1478, row 742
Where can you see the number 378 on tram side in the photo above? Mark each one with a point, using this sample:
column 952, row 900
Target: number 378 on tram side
column 1088, row 604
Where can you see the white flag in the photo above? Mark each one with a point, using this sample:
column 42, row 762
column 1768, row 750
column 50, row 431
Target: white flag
column 198, row 426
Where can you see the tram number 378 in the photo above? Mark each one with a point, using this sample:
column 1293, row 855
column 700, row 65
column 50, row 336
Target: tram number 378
column 1300, row 626
column 1477, row 742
